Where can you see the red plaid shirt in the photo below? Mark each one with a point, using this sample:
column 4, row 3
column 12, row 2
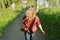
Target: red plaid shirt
column 27, row 23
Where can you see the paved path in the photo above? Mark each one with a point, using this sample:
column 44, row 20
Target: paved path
column 13, row 31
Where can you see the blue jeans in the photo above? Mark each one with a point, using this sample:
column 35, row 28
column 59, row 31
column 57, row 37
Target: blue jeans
column 28, row 36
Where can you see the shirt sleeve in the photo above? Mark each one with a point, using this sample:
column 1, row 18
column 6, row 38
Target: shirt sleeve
column 37, row 21
column 24, row 18
column 23, row 22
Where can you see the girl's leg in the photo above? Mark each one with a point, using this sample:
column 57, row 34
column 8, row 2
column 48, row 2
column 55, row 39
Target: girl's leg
column 27, row 36
column 31, row 36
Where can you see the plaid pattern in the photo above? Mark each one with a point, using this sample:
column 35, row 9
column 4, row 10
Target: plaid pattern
column 27, row 23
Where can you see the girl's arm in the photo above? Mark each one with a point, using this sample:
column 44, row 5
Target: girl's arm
column 40, row 27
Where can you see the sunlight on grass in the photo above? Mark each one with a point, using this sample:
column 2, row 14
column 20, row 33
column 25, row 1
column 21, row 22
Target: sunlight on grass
column 7, row 15
column 50, row 19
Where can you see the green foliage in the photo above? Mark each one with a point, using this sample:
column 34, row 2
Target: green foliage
column 5, row 1
column 50, row 20
column 7, row 16
column 16, row 1
column 53, row 2
column 31, row 2
column 0, row 1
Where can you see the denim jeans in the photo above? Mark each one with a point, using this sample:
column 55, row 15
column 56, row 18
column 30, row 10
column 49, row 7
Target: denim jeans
column 28, row 36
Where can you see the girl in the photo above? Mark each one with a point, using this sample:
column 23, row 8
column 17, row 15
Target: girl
column 30, row 23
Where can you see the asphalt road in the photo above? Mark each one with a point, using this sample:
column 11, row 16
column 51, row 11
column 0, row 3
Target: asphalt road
column 13, row 32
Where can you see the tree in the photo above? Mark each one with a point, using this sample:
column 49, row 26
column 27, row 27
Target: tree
column 58, row 2
column 8, row 2
column 53, row 2
column 3, row 5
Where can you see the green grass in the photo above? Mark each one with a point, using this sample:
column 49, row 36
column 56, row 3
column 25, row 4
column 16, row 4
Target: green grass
column 7, row 16
column 50, row 20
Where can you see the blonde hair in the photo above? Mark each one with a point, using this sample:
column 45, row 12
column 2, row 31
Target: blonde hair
column 31, row 12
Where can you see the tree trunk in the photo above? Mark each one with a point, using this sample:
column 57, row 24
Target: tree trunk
column 8, row 2
column 3, row 5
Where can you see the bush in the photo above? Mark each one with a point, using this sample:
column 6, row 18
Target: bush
column 50, row 20
column 7, row 16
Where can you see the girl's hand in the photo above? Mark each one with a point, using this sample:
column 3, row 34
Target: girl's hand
column 41, row 29
column 43, row 32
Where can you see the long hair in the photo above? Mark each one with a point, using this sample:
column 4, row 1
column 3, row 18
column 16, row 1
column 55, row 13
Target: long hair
column 31, row 12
